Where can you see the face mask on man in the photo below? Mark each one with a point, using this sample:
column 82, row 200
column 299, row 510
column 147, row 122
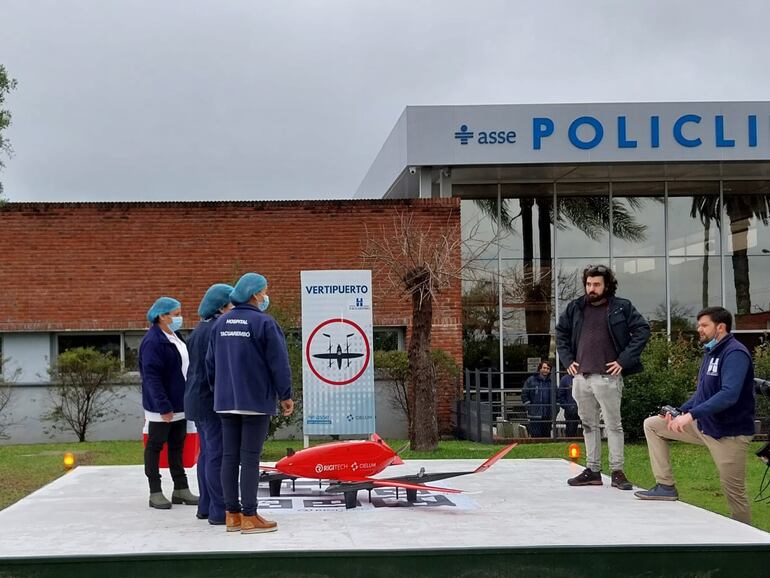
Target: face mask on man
column 711, row 344
column 264, row 304
column 176, row 323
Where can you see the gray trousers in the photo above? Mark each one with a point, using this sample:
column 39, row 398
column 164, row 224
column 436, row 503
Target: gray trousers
column 593, row 394
column 729, row 455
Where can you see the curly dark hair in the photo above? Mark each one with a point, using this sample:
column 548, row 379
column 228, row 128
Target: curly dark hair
column 610, row 283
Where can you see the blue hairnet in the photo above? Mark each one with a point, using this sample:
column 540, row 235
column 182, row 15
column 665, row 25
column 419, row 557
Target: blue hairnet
column 162, row 306
column 248, row 285
column 215, row 298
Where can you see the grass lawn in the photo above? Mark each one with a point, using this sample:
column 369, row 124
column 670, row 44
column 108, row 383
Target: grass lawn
column 25, row 468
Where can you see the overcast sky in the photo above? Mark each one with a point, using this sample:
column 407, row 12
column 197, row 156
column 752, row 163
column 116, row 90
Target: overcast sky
column 275, row 99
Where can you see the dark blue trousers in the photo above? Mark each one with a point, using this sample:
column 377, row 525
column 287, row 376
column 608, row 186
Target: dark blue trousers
column 212, row 502
column 242, row 440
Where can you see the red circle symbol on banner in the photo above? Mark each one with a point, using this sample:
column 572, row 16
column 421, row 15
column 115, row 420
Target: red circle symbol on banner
column 309, row 357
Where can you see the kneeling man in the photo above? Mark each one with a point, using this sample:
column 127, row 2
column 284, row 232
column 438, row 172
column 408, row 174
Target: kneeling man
column 720, row 415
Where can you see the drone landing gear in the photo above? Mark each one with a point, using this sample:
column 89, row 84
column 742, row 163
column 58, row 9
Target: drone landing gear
column 351, row 499
column 411, row 495
column 275, row 488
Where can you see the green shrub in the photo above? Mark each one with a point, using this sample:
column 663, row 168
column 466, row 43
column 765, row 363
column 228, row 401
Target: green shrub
column 84, row 389
column 669, row 377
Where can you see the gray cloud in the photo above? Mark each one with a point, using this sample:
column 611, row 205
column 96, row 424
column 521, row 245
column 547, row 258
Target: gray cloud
column 277, row 99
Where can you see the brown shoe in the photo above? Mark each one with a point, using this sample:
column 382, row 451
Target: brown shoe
column 233, row 521
column 620, row 481
column 257, row 524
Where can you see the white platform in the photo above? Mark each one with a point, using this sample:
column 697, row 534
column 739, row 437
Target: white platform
column 103, row 511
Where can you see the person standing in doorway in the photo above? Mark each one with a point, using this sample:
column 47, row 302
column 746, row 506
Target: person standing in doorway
column 199, row 406
column 600, row 338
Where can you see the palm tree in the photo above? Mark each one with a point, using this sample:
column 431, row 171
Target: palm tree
column 740, row 209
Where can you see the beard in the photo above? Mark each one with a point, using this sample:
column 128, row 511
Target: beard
column 593, row 297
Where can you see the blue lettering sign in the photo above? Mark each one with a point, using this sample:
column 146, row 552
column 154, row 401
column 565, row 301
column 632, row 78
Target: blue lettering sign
column 654, row 131
column 679, row 137
column 719, row 125
column 580, row 121
column 541, row 128
column 752, row 130
column 623, row 141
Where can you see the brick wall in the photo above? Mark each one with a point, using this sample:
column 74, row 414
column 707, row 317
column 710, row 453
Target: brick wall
column 99, row 266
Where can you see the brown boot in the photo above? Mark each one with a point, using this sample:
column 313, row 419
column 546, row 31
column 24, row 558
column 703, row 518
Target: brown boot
column 257, row 524
column 233, row 521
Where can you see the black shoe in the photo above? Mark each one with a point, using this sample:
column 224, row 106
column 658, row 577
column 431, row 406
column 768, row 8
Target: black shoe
column 201, row 516
column 620, row 481
column 217, row 522
column 587, row 478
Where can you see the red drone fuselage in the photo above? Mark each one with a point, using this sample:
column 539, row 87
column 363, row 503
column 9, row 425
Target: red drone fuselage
column 349, row 461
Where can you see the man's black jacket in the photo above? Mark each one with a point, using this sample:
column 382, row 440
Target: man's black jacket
column 628, row 329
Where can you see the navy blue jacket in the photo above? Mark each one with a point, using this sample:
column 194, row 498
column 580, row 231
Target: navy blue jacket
column 723, row 403
column 160, row 366
column 628, row 329
column 247, row 362
column 536, row 395
column 198, row 397
column 564, row 397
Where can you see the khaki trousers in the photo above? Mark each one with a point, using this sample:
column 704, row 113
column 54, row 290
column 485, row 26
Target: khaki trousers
column 729, row 455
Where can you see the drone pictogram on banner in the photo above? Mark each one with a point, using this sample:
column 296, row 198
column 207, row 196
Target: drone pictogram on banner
column 336, row 349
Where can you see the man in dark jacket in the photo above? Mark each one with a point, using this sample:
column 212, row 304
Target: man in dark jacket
column 536, row 397
column 248, row 365
column 600, row 338
column 199, row 406
column 720, row 415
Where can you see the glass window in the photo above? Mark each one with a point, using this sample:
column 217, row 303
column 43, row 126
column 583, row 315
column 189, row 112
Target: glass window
column 747, row 205
column 388, row 338
column 694, row 218
column 131, row 342
column 527, row 297
column 747, row 290
column 479, row 229
column 583, row 219
column 527, row 220
column 103, row 342
column 481, row 316
column 638, row 219
column 522, row 352
column 695, row 283
column 643, row 281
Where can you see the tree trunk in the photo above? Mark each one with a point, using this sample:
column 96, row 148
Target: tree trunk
column 705, row 291
column 739, row 231
column 424, row 434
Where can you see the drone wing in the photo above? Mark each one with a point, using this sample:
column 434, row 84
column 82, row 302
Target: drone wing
column 395, row 483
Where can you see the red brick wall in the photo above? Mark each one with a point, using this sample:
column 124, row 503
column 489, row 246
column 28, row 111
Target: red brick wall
column 99, row 266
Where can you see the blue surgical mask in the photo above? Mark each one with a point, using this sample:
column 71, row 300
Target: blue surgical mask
column 176, row 323
column 711, row 344
column 264, row 304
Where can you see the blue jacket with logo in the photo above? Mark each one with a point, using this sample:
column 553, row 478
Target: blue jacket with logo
column 198, row 397
column 160, row 366
column 247, row 362
column 723, row 403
